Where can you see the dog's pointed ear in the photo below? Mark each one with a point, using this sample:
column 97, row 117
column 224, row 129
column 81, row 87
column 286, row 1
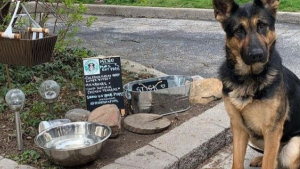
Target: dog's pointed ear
column 272, row 5
column 223, row 9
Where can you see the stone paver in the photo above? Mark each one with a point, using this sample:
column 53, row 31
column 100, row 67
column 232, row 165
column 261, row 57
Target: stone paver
column 7, row 164
column 149, row 157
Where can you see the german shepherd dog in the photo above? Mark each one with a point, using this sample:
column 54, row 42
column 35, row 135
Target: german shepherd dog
column 261, row 96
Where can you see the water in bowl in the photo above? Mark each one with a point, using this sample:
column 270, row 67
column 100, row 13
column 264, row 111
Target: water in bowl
column 72, row 142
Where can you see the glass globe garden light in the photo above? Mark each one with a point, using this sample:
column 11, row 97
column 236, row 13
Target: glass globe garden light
column 15, row 98
column 49, row 91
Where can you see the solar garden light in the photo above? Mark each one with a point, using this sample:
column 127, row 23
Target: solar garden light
column 15, row 98
column 49, row 91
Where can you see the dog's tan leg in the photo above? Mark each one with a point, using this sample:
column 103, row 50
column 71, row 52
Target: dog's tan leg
column 272, row 142
column 240, row 140
column 290, row 154
column 240, row 135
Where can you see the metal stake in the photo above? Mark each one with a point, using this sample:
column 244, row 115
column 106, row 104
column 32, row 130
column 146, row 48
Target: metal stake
column 51, row 108
column 19, row 130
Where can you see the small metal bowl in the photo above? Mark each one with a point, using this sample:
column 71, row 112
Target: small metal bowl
column 73, row 144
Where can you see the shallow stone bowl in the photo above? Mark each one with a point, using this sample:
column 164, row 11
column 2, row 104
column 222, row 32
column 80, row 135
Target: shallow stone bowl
column 73, row 144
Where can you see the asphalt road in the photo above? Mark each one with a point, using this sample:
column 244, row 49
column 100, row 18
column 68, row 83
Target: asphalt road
column 177, row 46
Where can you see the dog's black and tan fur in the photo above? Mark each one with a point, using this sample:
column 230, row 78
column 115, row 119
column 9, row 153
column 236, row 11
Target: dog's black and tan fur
column 261, row 96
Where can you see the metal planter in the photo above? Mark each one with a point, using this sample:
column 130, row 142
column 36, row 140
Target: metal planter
column 162, row 95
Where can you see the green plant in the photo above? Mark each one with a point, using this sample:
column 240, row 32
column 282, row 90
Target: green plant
column 33, row 116
column 65, row 68
column 70, row 16
column 3, row 106
column 27, row 157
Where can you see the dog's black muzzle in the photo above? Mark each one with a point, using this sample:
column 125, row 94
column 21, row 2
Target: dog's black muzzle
column 254, row 56
column 255, row 52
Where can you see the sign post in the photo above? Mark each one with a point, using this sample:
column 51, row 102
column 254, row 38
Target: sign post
column 103, row 82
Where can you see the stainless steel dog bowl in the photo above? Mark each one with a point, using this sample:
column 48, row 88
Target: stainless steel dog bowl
column 73, row 144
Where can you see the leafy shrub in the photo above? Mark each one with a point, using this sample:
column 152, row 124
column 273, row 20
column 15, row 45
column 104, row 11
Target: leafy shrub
column 65, row 68
column 68, row 18
column 27, row 157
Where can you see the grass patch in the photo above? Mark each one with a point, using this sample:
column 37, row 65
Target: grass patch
column 285, row 5
column 85, row 1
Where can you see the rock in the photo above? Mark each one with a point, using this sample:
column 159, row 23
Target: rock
column 77, row 115
column 204, row 91
column 144, row 123
column 109, row 115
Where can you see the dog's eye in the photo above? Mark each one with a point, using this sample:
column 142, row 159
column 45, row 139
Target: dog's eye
column 262, row 25
column 238, row 30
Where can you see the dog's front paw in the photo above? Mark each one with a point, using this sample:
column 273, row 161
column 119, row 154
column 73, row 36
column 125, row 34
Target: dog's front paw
column 256, row 162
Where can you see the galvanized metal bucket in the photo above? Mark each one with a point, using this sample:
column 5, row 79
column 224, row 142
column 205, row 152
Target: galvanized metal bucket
column 162, row 95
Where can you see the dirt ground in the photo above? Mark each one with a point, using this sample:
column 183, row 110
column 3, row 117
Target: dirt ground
column 114, row 148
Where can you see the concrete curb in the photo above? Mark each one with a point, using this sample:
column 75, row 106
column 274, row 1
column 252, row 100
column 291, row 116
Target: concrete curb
column 171, row 13
column 150, row 12
column 138, row 68
column 165, row 13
